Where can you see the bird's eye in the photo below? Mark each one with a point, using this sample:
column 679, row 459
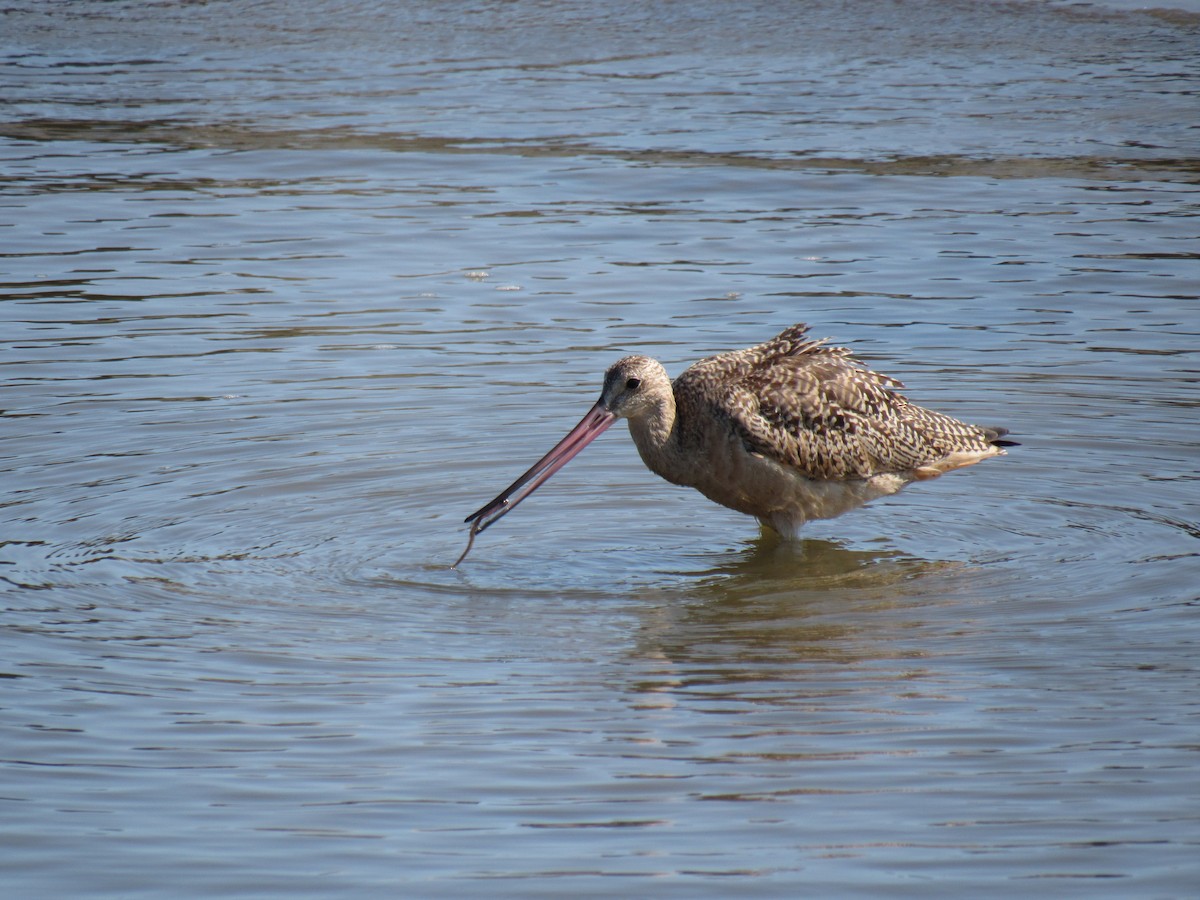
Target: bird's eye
column 633, row 384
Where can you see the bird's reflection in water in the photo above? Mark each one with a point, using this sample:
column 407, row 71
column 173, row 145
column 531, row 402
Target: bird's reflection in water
column 773, row 603
column 767, row 562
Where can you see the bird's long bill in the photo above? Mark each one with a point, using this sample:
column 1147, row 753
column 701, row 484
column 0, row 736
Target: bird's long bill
column 589, row 428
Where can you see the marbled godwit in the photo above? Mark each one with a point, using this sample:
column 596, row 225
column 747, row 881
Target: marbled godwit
column 786, row 431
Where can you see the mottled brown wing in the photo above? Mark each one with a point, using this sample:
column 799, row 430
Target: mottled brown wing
column 713, row 372
column 823, row 414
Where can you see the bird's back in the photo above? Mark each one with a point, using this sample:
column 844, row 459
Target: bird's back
column 816, row 411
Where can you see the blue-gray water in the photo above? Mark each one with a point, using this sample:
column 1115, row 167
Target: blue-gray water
column 290, row 288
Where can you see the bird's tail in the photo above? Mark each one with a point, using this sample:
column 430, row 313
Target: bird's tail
column 995, row 436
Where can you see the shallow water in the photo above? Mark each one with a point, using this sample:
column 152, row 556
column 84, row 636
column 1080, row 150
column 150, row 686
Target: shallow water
column 286, row 297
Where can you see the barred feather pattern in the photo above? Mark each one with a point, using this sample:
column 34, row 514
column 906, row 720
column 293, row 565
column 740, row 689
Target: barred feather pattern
column 813, row 408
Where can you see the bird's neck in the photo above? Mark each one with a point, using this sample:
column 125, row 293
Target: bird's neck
column 656, row 434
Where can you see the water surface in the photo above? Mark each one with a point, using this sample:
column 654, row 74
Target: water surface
column 288, row 294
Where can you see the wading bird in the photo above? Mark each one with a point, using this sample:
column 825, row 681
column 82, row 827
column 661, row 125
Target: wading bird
column 786, row 431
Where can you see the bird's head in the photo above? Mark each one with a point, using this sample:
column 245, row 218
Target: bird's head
column 633, row 386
